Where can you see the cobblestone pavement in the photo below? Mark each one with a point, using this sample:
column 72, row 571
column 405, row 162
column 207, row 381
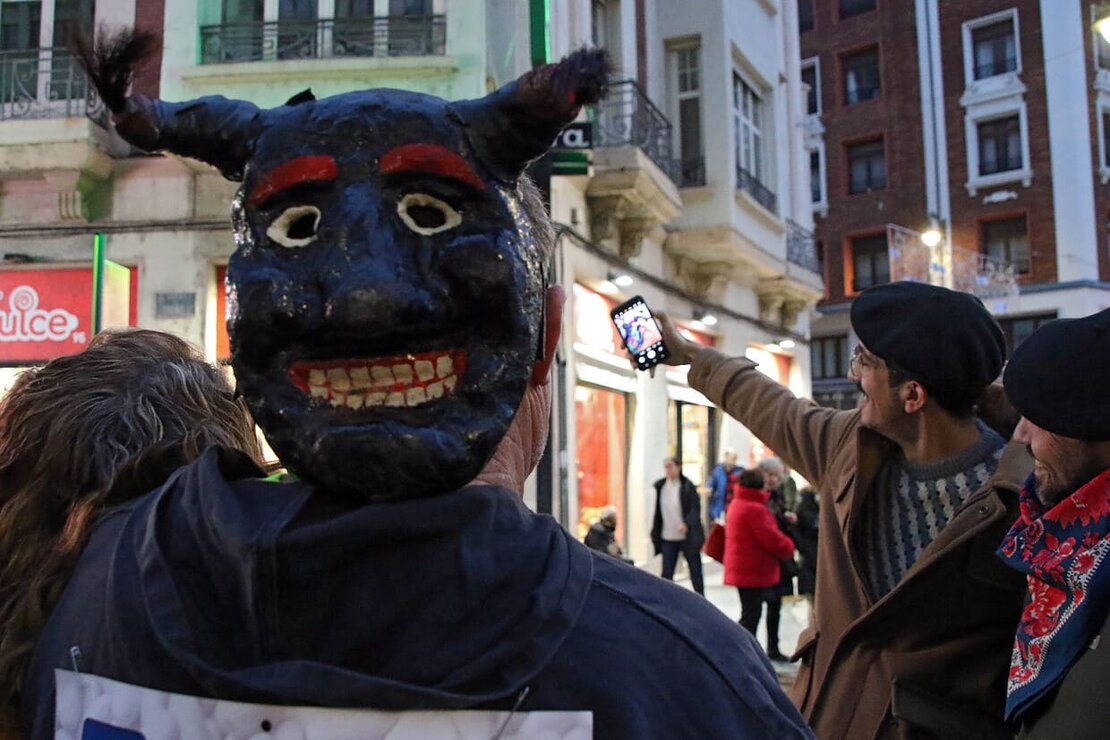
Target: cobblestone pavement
column 794, row 613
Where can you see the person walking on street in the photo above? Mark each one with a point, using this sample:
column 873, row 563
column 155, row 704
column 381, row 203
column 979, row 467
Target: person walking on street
column 914, row 625
column 754, row 548
column 1057, row 381
column 677, row 524
column 721, row 482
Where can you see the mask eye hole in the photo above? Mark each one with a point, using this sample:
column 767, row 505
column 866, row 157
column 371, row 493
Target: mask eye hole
column 295, row 227
column 426, row 214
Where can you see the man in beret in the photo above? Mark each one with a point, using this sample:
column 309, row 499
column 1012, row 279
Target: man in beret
column 1057, row 380
column 915, row 614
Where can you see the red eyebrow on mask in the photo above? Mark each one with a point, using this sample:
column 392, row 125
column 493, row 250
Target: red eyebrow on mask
column 430, row 159
column 307, row 168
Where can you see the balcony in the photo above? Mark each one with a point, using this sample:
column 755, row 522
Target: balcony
column 993, row 280
column 753, row 186
column 633, row 188
column 46, row 83
column 800, row 247
column 392, row 36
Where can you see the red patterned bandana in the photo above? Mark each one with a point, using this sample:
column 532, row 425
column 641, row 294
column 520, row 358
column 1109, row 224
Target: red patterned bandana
column 1063, row 552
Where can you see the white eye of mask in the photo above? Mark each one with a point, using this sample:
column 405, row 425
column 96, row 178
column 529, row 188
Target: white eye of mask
column 295, row 227
column 426, row 214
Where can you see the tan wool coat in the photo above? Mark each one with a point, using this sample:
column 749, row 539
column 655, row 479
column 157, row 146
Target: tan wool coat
column 930, row 658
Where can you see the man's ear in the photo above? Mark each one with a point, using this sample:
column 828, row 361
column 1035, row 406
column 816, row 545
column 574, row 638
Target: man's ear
column 913, row 396
column 553, row 301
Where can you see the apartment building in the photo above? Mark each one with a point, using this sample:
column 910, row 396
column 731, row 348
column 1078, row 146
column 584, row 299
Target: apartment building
column 962, row 144
column 688, row 186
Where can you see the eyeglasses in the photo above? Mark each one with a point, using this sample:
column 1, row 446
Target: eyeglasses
column 856, row 360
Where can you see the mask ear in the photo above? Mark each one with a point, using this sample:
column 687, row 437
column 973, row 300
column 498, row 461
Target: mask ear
column 553, row 301
column 212, row 129
column 517, row 123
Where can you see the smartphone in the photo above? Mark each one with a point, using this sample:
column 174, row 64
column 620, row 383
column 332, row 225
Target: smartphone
column 640, row 333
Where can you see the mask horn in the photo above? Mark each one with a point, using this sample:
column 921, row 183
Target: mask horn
column 212, row 129
column 516, row 124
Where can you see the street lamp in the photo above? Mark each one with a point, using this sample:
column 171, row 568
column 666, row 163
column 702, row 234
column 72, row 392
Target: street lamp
column 1102, row 21
column 932, row 236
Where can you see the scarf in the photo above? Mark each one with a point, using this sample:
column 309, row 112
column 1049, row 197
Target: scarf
column 1063, row 552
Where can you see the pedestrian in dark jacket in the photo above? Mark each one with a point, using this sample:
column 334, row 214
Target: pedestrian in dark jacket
column 676, row 527
column 754, row 549
column 602, row 535
column 805, row 539
column 1061, row 658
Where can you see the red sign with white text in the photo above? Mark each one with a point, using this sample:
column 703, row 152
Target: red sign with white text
column 44, row 313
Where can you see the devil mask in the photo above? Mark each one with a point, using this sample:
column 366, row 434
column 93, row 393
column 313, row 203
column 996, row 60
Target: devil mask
column 385, row 295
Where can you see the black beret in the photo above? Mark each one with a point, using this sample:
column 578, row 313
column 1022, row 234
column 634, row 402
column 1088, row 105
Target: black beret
column 1059, row 378
column 944, row 338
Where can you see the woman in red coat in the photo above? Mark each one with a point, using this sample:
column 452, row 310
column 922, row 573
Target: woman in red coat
column 754, row 546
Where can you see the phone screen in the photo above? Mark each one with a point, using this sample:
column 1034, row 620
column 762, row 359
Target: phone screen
column 640, row 333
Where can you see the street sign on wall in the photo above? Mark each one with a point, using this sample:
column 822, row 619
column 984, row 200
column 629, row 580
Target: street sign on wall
column 46, row 312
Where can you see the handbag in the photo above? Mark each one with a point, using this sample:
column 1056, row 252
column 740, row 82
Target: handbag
column 715, row 543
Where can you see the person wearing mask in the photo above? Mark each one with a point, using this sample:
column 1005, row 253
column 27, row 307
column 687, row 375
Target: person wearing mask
column 676, row 527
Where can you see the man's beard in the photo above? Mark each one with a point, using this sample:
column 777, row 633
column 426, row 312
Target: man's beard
column 1056, row 491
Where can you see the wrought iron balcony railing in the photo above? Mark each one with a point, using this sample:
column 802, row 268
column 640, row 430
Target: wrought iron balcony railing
column 46, row 83
column 392, row 36
column 752, row 185
column 800, row 247
column 628, row 117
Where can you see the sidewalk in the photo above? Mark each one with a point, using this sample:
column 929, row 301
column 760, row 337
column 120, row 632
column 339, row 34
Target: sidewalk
column 794, row 613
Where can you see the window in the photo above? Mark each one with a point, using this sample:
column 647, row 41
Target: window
column 243, row 11
column 816, row 184
column 1007, row 240
column 1017, row 330
column 34, row 77
column 994, row 49
column 805, row 15
column 685, row 75
column 1000, row 145
column 861, row 76
column 1104, row 114
column 811, row 78
column 866, row 166
column 830, row 357
column 848, row 8
column 870, row 262
column 747, row 112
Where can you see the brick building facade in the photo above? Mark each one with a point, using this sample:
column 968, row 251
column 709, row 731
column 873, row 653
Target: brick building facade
column 937, row 116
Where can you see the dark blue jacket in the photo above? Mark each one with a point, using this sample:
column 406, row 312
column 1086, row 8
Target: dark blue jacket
column 221, row 584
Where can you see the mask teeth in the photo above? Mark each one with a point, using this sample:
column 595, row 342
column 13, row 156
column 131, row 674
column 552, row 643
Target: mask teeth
column 405, row 381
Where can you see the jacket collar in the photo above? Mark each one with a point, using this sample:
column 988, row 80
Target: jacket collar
column 753, row 494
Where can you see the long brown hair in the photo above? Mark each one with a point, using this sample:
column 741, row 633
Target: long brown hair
column 84, row 433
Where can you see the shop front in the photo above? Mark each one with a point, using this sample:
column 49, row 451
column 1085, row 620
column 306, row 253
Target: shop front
column 603, row 395
column 46, row 311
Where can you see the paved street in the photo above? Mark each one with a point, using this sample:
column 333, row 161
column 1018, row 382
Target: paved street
column 725, row 598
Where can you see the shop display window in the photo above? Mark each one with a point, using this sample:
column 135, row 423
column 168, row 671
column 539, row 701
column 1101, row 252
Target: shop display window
column 601, row 422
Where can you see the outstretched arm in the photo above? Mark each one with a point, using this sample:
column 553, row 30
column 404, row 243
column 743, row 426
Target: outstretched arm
column 806, row 436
